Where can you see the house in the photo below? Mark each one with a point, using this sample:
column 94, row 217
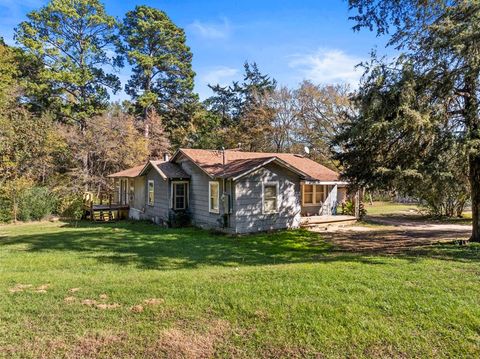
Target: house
column 234, row 191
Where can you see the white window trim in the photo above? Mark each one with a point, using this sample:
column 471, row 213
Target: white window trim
column 314, row 203
column 263, row 196
column 210, row 209
column 148, row 193
column 173, row 195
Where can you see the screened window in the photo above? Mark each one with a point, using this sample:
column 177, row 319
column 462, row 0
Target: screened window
column 270, row 196
column 179, row 195
column 313, row 194
column 308, row 193
column 151, row 192
column 214, row 197
column 132, row 190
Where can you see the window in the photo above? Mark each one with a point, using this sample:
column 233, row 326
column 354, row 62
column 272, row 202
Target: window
column 180, row 195
column 118, row 186
column 319, row 194
column 151, row 194
column 270, row 201
column 124, row 193
column 308, row 193
column 313, row 194
column 213, row 197
column 132, row 190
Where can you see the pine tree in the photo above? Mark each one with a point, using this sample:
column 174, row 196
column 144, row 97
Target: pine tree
column 434, row 84
column 162, row 75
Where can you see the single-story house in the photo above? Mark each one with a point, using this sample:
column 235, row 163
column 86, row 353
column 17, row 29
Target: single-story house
column 230, row 190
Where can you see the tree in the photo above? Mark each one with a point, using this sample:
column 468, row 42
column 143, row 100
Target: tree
column 71, row 40
column 162, row 75
column 243, row 109
column 8, row 74
column 321, row 110
column 224, row 103
column 111, row 142
column 285, row 118
column 439, row 40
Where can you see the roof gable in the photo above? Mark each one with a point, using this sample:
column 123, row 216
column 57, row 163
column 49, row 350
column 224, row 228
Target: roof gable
column 165, row 169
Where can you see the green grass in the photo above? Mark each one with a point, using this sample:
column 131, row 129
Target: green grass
column 389, row 208
column 276, row 295
column 413, row 211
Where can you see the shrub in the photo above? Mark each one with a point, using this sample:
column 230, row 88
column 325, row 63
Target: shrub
column 36, row 203
column 348, row 208
column 179, row 218
column 71, row 206
column 5, row 208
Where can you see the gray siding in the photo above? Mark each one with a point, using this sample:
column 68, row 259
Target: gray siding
column 198, row 204
column 139, row 194
column 248, row 202
column 157, row 213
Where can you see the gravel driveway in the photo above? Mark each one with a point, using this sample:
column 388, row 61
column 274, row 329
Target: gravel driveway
column 393, row 234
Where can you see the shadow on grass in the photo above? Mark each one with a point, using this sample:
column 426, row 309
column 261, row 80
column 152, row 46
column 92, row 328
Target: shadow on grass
column 149, row 246
column 402, row 218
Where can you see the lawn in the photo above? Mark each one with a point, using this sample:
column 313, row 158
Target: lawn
column 389, row 208
column 136, row 290
column 412, row 210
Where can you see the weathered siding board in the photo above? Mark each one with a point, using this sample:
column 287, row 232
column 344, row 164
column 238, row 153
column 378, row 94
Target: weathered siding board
column 139, row 192
column 159, row 211
column 249, row 216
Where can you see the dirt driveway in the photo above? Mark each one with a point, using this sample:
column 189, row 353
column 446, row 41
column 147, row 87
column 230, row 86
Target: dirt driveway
column 394, row 234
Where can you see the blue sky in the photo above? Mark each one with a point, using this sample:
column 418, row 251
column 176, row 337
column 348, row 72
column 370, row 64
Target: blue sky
column 290, row 40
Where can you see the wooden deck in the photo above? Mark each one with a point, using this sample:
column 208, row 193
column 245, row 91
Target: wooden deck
column 314, row 221
column 105, row 212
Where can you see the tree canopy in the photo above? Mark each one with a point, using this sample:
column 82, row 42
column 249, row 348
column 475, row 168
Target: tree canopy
column 424, row 100
column 71, row 40
column 162, row 75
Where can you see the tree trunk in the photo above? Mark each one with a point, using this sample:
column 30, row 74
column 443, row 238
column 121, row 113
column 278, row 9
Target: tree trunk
column 15, row 208
column 85, row 167
column 474, row 162
column 472, row 122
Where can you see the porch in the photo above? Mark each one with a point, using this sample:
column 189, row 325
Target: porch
column 103, row 212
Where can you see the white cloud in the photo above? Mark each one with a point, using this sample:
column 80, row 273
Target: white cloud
column 328, row 66
column 211, row 30
column 222, row 75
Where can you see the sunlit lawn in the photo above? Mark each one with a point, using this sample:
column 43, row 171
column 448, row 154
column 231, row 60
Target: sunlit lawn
column 190, row 293
column 388, row 208
column 413, row 211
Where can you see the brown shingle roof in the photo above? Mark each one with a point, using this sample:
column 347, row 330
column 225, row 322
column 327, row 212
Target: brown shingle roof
column 170, row 169
column 166, row 170
column 130, row 172
column 238, row 162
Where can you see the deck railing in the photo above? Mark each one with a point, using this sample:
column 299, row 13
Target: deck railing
column 102, row 208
